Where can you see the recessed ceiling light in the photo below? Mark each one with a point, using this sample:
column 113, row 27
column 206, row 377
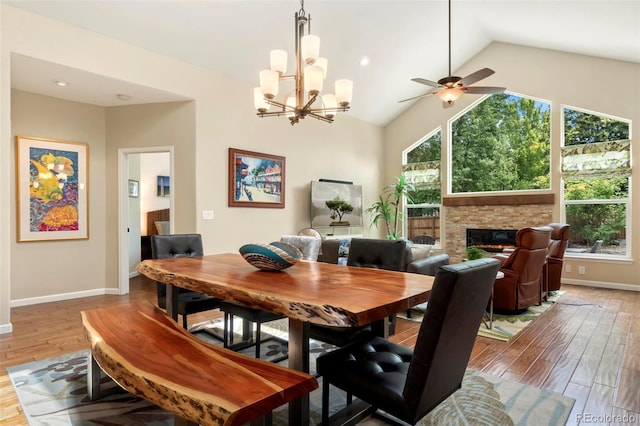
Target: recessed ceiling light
column 123, row 97
column 364, row 61
column 61, row 83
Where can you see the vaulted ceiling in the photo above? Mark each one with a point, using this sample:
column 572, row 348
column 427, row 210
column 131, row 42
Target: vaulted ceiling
column 402, row 39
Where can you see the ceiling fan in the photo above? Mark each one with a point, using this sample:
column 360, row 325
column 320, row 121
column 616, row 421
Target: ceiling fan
column 451, row 87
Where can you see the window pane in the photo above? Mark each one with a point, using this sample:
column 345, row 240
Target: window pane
column 502, row 144
column 581, row 127
column 596, row 189
column 426, row 196
column 429, row 150
column 593, row 222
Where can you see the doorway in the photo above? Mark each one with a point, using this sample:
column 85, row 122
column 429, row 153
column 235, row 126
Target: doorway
column 128, row 243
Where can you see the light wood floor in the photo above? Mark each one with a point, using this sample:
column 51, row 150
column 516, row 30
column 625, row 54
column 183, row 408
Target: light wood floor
column 587, row 346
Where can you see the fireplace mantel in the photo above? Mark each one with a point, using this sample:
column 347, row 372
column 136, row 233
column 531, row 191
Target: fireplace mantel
column 498, row 200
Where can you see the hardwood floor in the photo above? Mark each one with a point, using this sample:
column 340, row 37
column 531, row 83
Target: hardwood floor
column 587, row 346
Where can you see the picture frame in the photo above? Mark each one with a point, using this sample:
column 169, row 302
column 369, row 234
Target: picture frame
column 134, row 186
column 164, row 186
column 52, row 189
column 256, row 179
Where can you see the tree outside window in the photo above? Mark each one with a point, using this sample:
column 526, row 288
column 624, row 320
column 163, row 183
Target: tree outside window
column 501, row 144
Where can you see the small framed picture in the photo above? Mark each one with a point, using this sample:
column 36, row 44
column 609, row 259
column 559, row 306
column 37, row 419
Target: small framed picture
column 133, row 188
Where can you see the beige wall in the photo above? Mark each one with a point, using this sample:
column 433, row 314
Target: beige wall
column 41, row 268
column 561, row 79
column 222, row 116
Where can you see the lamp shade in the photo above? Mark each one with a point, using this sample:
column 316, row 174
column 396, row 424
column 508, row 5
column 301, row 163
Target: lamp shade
column 322, row 63
column 330, row 104
column 291, row 106
column 279, row 61
column 269, row 82
column 449, row 95
column 344, row 92
column 313, row 80
column 258, row 100
column 310, row 48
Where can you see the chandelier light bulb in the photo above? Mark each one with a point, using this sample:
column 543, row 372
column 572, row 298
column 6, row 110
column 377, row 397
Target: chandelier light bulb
column 291, row 107
column 344, row 92
column 313, row 80
column 258, row 100
column 310, row 48
column 449, row 95
column 279, row 61
column 269, row 82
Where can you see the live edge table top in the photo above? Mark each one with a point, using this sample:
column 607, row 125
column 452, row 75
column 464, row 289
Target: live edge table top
column 315, row 292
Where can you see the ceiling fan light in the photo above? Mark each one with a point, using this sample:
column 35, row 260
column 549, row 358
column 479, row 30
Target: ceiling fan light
column 344, row 92
column 269, row 82
column 449, row 95
column 259, row 101
column 278, row 60
column 310, row 48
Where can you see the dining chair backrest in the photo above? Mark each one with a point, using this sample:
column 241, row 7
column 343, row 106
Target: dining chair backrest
column 175, row 245
column 448, row 332
column 377, row 253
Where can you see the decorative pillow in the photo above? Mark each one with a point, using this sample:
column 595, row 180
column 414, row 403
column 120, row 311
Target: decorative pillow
column 163, row 227
column 309, row 246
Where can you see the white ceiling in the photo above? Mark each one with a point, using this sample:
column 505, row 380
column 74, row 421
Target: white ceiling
column 403, row 39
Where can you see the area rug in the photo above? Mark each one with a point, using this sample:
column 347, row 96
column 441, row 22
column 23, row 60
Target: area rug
column 54, row 392
column 505, row 327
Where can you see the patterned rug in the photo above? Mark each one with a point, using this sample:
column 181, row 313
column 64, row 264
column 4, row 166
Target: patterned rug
column 505, row 327
column 54, row 392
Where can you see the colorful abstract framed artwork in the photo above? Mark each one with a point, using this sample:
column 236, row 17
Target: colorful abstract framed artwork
column 52, row 188
column 256, row 179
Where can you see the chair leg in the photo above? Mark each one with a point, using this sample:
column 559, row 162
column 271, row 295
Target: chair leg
column 258, row 340
column 325, row 401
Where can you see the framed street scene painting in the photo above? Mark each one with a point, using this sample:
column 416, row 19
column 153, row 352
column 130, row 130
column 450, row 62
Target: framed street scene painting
column 52, row 188
column 256, row 179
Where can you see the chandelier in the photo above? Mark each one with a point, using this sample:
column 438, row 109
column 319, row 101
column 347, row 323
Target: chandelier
column 310, row 72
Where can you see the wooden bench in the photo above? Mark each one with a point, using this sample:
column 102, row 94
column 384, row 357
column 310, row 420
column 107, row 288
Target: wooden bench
column 149, row 355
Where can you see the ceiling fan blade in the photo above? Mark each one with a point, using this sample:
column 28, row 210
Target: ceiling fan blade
column 427, row 82
column 417, row 97
column 476, row 76
column 484, row 90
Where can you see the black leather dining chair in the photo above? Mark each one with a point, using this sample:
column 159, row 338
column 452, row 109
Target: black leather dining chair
column 364, row 253
column 181, row 245
column 427, row 266
column 405, row 383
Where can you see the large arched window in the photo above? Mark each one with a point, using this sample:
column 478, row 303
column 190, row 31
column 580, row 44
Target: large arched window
column 501, row 144
column 596, row 169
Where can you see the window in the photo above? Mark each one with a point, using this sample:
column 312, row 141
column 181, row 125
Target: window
column 596, row 168
column 501, row 144
column 422, row 169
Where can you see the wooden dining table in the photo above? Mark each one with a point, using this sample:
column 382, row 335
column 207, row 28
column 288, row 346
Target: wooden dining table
column 308, row 292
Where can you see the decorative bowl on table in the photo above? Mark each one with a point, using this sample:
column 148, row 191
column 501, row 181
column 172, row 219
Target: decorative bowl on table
column 271, row 257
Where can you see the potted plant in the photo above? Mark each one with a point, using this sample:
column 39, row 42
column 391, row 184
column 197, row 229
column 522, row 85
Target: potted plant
column 474, row 252
column 388, row 208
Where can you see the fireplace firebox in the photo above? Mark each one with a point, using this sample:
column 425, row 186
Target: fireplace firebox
column 491, row 240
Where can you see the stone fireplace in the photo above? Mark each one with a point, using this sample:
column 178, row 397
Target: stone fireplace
column 491, row 213
column 491, row 240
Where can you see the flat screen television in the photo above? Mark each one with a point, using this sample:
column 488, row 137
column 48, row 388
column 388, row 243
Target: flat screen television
column 335, row 204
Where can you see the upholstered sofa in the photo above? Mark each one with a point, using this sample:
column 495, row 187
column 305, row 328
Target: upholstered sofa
column 337, row 251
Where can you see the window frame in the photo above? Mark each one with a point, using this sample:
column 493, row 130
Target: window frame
column 626, row 201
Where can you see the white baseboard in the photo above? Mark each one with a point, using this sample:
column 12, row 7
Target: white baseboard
column 133, row 274
column 600, row 284
column 6, row 328
column 63, row 296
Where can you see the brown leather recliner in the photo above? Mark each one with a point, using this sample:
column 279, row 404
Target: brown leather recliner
column 521, row 285
column 557, row 247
